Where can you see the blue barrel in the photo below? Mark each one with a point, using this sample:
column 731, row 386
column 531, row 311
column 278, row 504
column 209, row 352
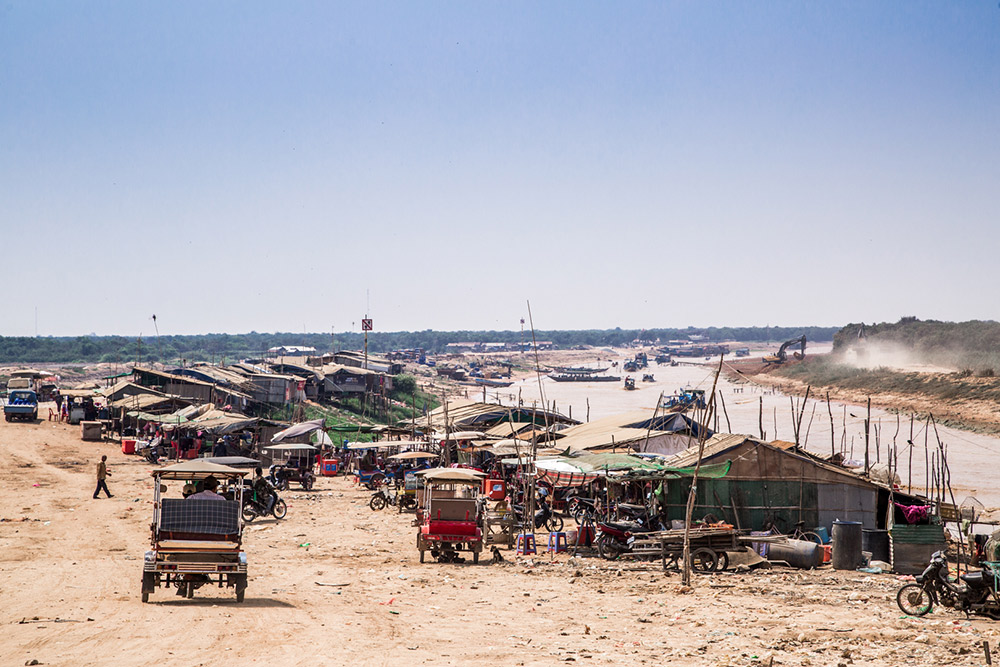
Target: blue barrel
column 847, row 545
column 876, row 542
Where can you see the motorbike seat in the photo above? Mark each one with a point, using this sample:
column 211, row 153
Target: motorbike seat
column 627, row 526
column 974, row 578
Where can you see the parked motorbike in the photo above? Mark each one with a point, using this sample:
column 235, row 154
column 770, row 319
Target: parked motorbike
column 384, row 497
column 613, row 536
column 254, row 506
column 151, row 451
column 975, row 593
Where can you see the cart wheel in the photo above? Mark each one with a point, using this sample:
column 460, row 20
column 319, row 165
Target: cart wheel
column 723, row 562
column 475, row 557
column 704, row 560
column 421, row 556
column 145, row 596
column 307, row 483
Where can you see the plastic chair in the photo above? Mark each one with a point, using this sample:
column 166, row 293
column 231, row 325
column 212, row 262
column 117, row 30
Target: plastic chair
column 557, row 542
column 525, row 544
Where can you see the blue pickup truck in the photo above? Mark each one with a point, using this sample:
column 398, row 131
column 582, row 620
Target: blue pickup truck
column 21, row 404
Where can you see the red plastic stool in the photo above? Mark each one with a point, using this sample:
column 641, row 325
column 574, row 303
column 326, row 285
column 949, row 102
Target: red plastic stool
column 525, row 544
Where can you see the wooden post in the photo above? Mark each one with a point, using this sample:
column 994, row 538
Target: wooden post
column 833, row 443
column 588, row 409
column 760, row 417
column 909, row 472
column 729, row 427
column 689, row 510
column 868, row 419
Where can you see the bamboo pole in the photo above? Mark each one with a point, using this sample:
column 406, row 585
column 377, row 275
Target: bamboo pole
column 833, row 442
column 909, row 472
column 760, row 417
column 722, row 399
column 686, row 572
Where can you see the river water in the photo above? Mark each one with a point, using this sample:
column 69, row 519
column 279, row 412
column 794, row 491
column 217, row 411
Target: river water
column 971, row 457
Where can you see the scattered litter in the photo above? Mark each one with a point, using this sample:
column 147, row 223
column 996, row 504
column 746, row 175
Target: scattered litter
column 323, row 583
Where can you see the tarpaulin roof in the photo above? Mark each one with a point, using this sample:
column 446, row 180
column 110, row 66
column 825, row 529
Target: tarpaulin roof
column 583, row 469
column 300, row 429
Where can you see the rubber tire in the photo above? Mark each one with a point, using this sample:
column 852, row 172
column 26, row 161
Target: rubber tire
column 704, row 560
column 605, row 550
column 554, row 524
column 377, row 503
column 921, row 595
column 723, row 561
column 409, row 503
column 421, row 556
column 307, row 483
column 377, row 480
column 280, row 509
column 148, row 584
column 475, row 558
column 145, row 597
column 241, row 587
column 248, row 513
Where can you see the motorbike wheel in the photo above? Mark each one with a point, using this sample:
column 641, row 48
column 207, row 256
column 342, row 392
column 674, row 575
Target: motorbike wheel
column 377, row 503
column 307, row 483
column 280, row 509
column 408, row 503
column 249, row 514
column 913, row 599
column 554, row 524
column 605, row 548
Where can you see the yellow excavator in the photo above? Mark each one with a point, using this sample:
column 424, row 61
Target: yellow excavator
column 782, row 355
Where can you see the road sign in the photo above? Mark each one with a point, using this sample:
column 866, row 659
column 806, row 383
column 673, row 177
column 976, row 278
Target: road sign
column 366, row 324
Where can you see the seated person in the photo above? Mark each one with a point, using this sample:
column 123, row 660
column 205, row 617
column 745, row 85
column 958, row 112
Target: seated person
column 189, row 489
column 208, row 490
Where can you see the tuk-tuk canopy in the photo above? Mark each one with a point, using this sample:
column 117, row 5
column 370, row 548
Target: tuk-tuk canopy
column 197, row 469
column 414, row 455
column 291, row 447
column 452, row 475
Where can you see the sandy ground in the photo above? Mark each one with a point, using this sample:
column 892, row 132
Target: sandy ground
column 70, row 571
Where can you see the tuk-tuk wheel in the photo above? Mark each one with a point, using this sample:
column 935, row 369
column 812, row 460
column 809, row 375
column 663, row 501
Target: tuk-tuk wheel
column 148, row 584
column 421, row 556
column 475, row 557
column 241, row 586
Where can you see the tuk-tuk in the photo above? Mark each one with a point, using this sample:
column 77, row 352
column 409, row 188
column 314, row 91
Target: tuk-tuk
column 450, row 514
column 196, row 538
column 296, row 466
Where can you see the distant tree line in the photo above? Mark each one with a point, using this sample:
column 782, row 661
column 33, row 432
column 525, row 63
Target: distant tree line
column 232, row 347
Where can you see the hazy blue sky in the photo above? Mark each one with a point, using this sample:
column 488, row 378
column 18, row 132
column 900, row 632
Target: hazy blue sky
column 276, row 166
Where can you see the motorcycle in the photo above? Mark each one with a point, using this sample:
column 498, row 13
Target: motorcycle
column 151, row 450
column 975, row 594
column 254, row 507
column 613, row 536
column 382, row 497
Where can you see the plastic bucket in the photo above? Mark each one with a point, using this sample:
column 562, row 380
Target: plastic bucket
column 847, row 545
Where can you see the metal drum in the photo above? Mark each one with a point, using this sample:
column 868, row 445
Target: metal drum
column 847, row 545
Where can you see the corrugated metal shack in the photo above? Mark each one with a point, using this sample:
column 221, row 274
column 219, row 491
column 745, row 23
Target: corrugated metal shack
column 779, row 483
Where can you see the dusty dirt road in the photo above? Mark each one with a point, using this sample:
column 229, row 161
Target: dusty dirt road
column 70, row 571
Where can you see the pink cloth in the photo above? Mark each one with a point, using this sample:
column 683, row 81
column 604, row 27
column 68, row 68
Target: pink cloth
column 914, row 513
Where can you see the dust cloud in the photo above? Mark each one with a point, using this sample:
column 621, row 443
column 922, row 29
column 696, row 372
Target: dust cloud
column 896, row 356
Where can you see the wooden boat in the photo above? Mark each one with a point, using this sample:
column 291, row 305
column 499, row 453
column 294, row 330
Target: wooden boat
column 581, row 377
column 491, row 382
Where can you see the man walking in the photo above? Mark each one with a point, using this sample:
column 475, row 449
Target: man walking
column 102, row 474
